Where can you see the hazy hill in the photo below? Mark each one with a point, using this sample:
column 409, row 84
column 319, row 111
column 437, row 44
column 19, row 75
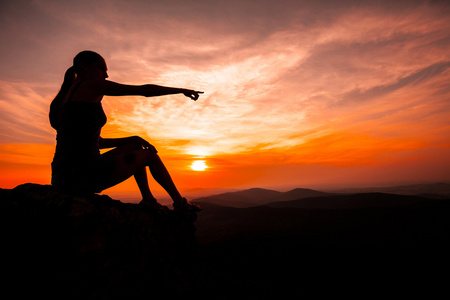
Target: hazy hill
column 387, row 215
column 434, row 190
column 355, row 201
column 297, row 193
column 377, row 242
column 245, row 198
column 258, row 196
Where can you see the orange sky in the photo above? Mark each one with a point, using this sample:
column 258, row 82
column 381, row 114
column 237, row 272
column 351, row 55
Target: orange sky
column 296, row 93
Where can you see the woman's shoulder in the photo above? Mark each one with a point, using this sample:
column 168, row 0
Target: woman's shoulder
column 86, row 91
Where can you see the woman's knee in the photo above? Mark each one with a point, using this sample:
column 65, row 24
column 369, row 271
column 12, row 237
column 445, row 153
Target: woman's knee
column 152, row 155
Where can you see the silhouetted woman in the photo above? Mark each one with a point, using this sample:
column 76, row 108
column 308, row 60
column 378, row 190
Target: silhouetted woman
column 77, row 115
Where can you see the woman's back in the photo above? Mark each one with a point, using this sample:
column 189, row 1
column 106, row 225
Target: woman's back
column 78, row 131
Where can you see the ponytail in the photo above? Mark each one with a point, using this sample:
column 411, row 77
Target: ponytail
column 69, row 78
column 85, row 57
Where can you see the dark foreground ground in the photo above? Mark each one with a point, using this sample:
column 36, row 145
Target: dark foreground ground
column 269, row 252
column 367, row 245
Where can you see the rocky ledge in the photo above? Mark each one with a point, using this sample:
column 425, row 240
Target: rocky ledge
column 92, row 246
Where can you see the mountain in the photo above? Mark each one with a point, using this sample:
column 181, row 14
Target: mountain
column 257, row 196
column 353, row 201
column 327, row 245
column 297, row 193
column 433, row 190
column 325, row 215
column 245, row 198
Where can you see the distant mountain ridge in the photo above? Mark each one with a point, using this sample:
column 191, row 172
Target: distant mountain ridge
column 245, row 198
column 356, row 218
column 352, row 201
column 299, row 193
column 430, row 189
column 259, row 196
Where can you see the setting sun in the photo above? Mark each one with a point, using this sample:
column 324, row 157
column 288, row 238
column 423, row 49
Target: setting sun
column 199, row 165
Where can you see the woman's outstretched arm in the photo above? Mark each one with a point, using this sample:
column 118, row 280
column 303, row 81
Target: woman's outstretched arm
column 110, row 88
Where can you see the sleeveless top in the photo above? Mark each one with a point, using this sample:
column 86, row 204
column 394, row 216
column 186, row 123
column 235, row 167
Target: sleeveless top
column 78, row 134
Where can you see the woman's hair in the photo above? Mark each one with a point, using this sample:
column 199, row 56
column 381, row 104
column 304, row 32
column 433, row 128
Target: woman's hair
column 84, row 57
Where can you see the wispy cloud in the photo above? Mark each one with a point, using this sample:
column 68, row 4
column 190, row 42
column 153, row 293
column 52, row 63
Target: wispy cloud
column 329, row 82
column 419, row 76
column 24, row 114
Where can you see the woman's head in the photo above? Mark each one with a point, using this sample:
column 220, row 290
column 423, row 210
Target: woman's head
column 86, row 65
column 90, row 64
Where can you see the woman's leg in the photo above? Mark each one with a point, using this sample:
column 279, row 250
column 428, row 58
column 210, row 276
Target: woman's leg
column 140, row 175
column 162, row 176
column 130, row 162
column 142, row 181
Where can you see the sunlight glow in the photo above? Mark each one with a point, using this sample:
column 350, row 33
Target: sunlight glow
column 199, row 165
column 355, row 94
column 198, row 151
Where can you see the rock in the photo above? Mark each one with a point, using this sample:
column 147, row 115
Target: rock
column 92, row 246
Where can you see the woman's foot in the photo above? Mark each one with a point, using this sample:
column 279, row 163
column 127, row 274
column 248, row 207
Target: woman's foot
column 187, row 206
column 153, row 204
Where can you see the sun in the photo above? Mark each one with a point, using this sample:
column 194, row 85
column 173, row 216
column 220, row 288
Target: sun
column 199, row 165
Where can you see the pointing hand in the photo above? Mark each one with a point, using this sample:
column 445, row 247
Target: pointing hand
column 192, row 94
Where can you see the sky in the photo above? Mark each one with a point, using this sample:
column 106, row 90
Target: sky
column 296, row 93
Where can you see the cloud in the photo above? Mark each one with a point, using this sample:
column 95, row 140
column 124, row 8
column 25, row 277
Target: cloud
column 262, row 85
column 231, row 113
column 23, row 114
column 416, row 78
column 296, row 81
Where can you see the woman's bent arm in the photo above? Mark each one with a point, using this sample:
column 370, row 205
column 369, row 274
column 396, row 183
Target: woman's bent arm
column 117, row 142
